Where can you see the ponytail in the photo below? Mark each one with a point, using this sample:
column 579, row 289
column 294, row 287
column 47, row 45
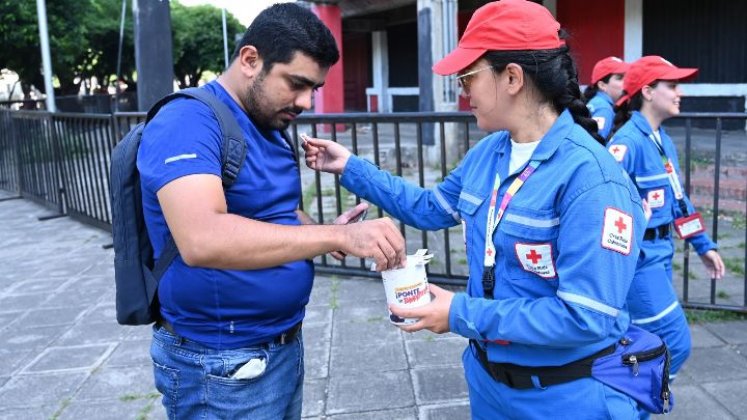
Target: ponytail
column 554, row 75
column 624, row 111
column 590, row 92
column 571, row 99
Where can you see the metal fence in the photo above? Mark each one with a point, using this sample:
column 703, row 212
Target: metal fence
column 62, row 161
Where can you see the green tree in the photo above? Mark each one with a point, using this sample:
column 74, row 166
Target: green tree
column 198, row 41
column 19, row 37
column 103, row 29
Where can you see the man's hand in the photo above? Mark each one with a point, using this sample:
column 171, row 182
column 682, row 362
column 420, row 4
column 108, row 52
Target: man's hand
column 433, row 316
column 714, row 264
column 354, row 214
column 378, row 239
column 325, row 155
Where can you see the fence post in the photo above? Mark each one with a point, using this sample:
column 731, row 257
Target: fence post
column 48, row 122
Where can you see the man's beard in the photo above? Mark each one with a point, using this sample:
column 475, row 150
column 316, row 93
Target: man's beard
column 261, row 110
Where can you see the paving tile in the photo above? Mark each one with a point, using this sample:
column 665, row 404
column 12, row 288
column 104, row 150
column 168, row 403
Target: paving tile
column 49, row 317
column 140, row 332
column 31, row 338
column 317, row 347
column 369, row 391
column 381, row 356
column 84, row 357
column 40, row 390
column 102, row 313
column 44, row 412
column 716, row 364
column 733, row 332
column 314, row 396
column 459, row 411
column 731, row 394
column 693, row 403
column 400, row 414
column 15, row 303
column 319, row 314
column 352, row 290
column 362, row 325
column 120, row 383
column 43, row 285
column 92, row 333
column 130, row 353
column 422, row 353
column 110, row 410
column 439, row 384
column 703, row 337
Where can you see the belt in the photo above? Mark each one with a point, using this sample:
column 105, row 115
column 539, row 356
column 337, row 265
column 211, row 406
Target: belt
column 285, row 337
column 520, row 377
column 659, row 232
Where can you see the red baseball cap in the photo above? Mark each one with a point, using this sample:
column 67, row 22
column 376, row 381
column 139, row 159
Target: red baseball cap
column 607, row 66
column 649, row 69
column 506, row 25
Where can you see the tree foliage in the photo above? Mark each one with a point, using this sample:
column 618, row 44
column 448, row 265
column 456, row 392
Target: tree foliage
column 84, row 41
column 197, row 34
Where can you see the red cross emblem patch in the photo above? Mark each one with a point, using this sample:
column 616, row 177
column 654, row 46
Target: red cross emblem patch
column 655, row 198
column 537, row 259
column 618, row 151
column 617, row 233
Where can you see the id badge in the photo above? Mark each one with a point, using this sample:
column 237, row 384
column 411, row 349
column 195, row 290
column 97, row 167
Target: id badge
column 689, row 226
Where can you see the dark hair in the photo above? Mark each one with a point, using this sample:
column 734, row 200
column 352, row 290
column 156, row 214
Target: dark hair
column 592, row 89
column 282, row 29
column 554, row 75
column 623, row 112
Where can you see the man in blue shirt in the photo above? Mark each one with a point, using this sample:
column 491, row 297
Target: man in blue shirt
column 229, row 342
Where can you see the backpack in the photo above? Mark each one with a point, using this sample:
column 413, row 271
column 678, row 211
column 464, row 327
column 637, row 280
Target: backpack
column 136, row 274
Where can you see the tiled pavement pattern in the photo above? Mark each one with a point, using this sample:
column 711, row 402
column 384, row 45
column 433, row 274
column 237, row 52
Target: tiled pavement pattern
column 64, row 356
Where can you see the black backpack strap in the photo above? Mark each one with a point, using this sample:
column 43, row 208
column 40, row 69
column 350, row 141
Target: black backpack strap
column 234, row 147
column 233, row 154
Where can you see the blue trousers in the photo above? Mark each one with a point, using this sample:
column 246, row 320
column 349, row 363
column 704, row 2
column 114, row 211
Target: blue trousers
column 653, row 304
column 196, row 381
column 581, row 399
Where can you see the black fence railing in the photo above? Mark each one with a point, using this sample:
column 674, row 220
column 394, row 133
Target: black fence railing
column 62, row 161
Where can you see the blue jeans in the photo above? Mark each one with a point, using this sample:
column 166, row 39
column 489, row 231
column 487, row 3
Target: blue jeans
column 196, row 380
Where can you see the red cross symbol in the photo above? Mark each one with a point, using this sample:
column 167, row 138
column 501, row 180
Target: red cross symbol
column 489, row 252
column 656, row 195
column 616, row 149
column 620, row 225
column 534, row 256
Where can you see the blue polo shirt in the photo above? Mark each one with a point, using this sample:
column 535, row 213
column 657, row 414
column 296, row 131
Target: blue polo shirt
column 224, row 309
column 602, row 110
column 566, row 248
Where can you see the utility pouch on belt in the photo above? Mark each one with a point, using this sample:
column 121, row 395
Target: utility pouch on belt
column 639, row 368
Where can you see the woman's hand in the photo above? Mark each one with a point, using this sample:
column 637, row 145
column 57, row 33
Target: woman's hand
column 433, row 316
column 714, row 264
column 325, row 155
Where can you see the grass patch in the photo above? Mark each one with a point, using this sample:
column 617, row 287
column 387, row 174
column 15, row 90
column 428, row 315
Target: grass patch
column 63, row 405
column 334, row 287
column 735, row 265
column 376, row 319
column 698, row 316
column 722, row 294
column 741, row 245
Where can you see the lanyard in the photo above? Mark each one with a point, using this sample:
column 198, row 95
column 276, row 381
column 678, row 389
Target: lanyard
column 493, row 218
column 674, row 180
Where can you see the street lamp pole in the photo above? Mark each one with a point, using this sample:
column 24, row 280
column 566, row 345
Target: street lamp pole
column 41, row 13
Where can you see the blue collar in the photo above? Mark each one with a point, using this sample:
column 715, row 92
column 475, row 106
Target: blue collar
column 604, row 96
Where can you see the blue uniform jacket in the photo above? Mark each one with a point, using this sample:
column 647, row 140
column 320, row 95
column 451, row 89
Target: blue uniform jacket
column 561, row 274
column 636, row 151
column 602, row 110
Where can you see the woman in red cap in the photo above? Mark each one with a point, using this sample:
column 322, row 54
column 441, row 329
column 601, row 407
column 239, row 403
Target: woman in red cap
column 551, row 224
column 605, row 89
column 647, row 153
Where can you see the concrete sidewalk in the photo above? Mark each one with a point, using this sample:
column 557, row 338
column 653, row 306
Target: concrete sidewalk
column 65, row 357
